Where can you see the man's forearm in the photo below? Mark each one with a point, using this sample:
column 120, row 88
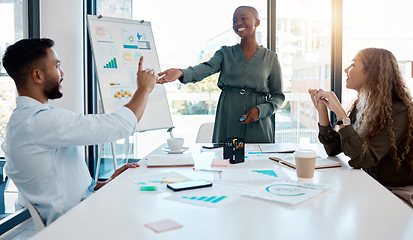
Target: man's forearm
column 138, row 103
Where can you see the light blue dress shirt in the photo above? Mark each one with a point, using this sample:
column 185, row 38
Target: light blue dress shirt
column 44, row 156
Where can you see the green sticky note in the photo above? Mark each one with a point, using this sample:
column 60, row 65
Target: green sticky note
column 149, row 188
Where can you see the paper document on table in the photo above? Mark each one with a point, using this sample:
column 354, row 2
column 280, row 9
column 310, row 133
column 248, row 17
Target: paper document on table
column 254, row 152
column 289, row 160
column 288, row 192
column 257, row 156
column 170, row 160
column 252, row 148
column 218, row 195
column 159, row 180
column 251, row 175
column 278, row 148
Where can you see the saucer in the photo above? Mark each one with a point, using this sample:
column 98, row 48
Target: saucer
column 168, row 150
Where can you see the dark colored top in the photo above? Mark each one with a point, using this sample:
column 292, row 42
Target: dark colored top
column 245, row 84
column 378, row 161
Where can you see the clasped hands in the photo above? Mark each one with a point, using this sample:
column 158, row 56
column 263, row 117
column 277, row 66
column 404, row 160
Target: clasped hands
column 324, row 100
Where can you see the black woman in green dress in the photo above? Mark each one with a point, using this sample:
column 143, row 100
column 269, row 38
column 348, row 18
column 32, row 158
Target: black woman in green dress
column 250, row 80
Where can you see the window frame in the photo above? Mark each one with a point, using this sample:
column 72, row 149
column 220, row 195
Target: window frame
column 31, row 26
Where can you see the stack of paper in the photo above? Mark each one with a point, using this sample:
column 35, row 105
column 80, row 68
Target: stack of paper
column 170, row 160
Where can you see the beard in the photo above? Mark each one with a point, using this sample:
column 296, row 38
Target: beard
column 52, row 90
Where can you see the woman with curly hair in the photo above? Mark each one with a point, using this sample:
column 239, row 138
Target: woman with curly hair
column 377, row 132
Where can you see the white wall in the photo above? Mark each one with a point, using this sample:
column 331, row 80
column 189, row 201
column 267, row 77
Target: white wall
column 62, row 21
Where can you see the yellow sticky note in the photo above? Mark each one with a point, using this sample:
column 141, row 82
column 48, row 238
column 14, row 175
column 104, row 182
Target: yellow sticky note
column 174, row 179
column 127, row 56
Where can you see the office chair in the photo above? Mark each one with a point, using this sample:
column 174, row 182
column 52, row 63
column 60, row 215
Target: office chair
column 37, row 220
column 205, row 133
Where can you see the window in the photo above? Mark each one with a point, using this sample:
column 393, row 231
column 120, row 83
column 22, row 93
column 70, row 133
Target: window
column 114, row 8
column 187, row 33
column 303, row 33
column 387, row 25
column 11, row 12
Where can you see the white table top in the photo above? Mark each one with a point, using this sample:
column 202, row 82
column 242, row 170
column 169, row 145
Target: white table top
column 356, row 207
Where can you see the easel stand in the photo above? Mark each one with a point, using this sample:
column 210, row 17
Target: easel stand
column 115, row 166
column 113, row 65
column 100, row 146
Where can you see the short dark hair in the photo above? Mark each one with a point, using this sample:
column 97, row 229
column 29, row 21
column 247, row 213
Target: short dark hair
column 256, row 15
column 22, row 56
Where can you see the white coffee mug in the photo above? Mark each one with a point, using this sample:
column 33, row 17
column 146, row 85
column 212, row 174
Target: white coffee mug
column 175, row 144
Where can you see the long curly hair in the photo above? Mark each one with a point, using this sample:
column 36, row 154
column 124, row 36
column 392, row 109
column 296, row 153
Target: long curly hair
column 384, row 83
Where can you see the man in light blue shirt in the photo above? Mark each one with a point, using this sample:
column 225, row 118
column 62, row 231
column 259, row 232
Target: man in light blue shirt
column 43, row 145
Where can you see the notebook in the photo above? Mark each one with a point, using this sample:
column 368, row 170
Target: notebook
column 288, row 159
column 170, row 160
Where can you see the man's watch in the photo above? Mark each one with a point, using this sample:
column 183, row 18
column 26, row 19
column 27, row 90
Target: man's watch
column 344, row 122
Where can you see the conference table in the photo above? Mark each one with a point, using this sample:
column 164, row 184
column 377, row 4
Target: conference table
column 355, row 206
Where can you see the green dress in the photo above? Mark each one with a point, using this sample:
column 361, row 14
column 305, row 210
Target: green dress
column 245, row 84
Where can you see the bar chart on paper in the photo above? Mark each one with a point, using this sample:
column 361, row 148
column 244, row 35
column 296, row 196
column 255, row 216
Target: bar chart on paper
column 111, row 64
column 212, row 199
column 204, row 199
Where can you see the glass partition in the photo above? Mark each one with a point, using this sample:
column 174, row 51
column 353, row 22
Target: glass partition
column 387, row 25
column 11, row 12
column 187, row 33
column 303, row 44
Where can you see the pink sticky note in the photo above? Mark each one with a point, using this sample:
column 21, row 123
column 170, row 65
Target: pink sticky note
column 163, row 225
column 100, row 30
column 220, row 163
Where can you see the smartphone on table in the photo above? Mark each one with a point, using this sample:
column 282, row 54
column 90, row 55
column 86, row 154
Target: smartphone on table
column 180, row 186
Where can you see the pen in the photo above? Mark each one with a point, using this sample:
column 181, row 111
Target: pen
column 207, row 170
column 213, row 146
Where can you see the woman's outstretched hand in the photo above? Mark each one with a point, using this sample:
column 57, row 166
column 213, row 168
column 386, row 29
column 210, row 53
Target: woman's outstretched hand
column 169, row 75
